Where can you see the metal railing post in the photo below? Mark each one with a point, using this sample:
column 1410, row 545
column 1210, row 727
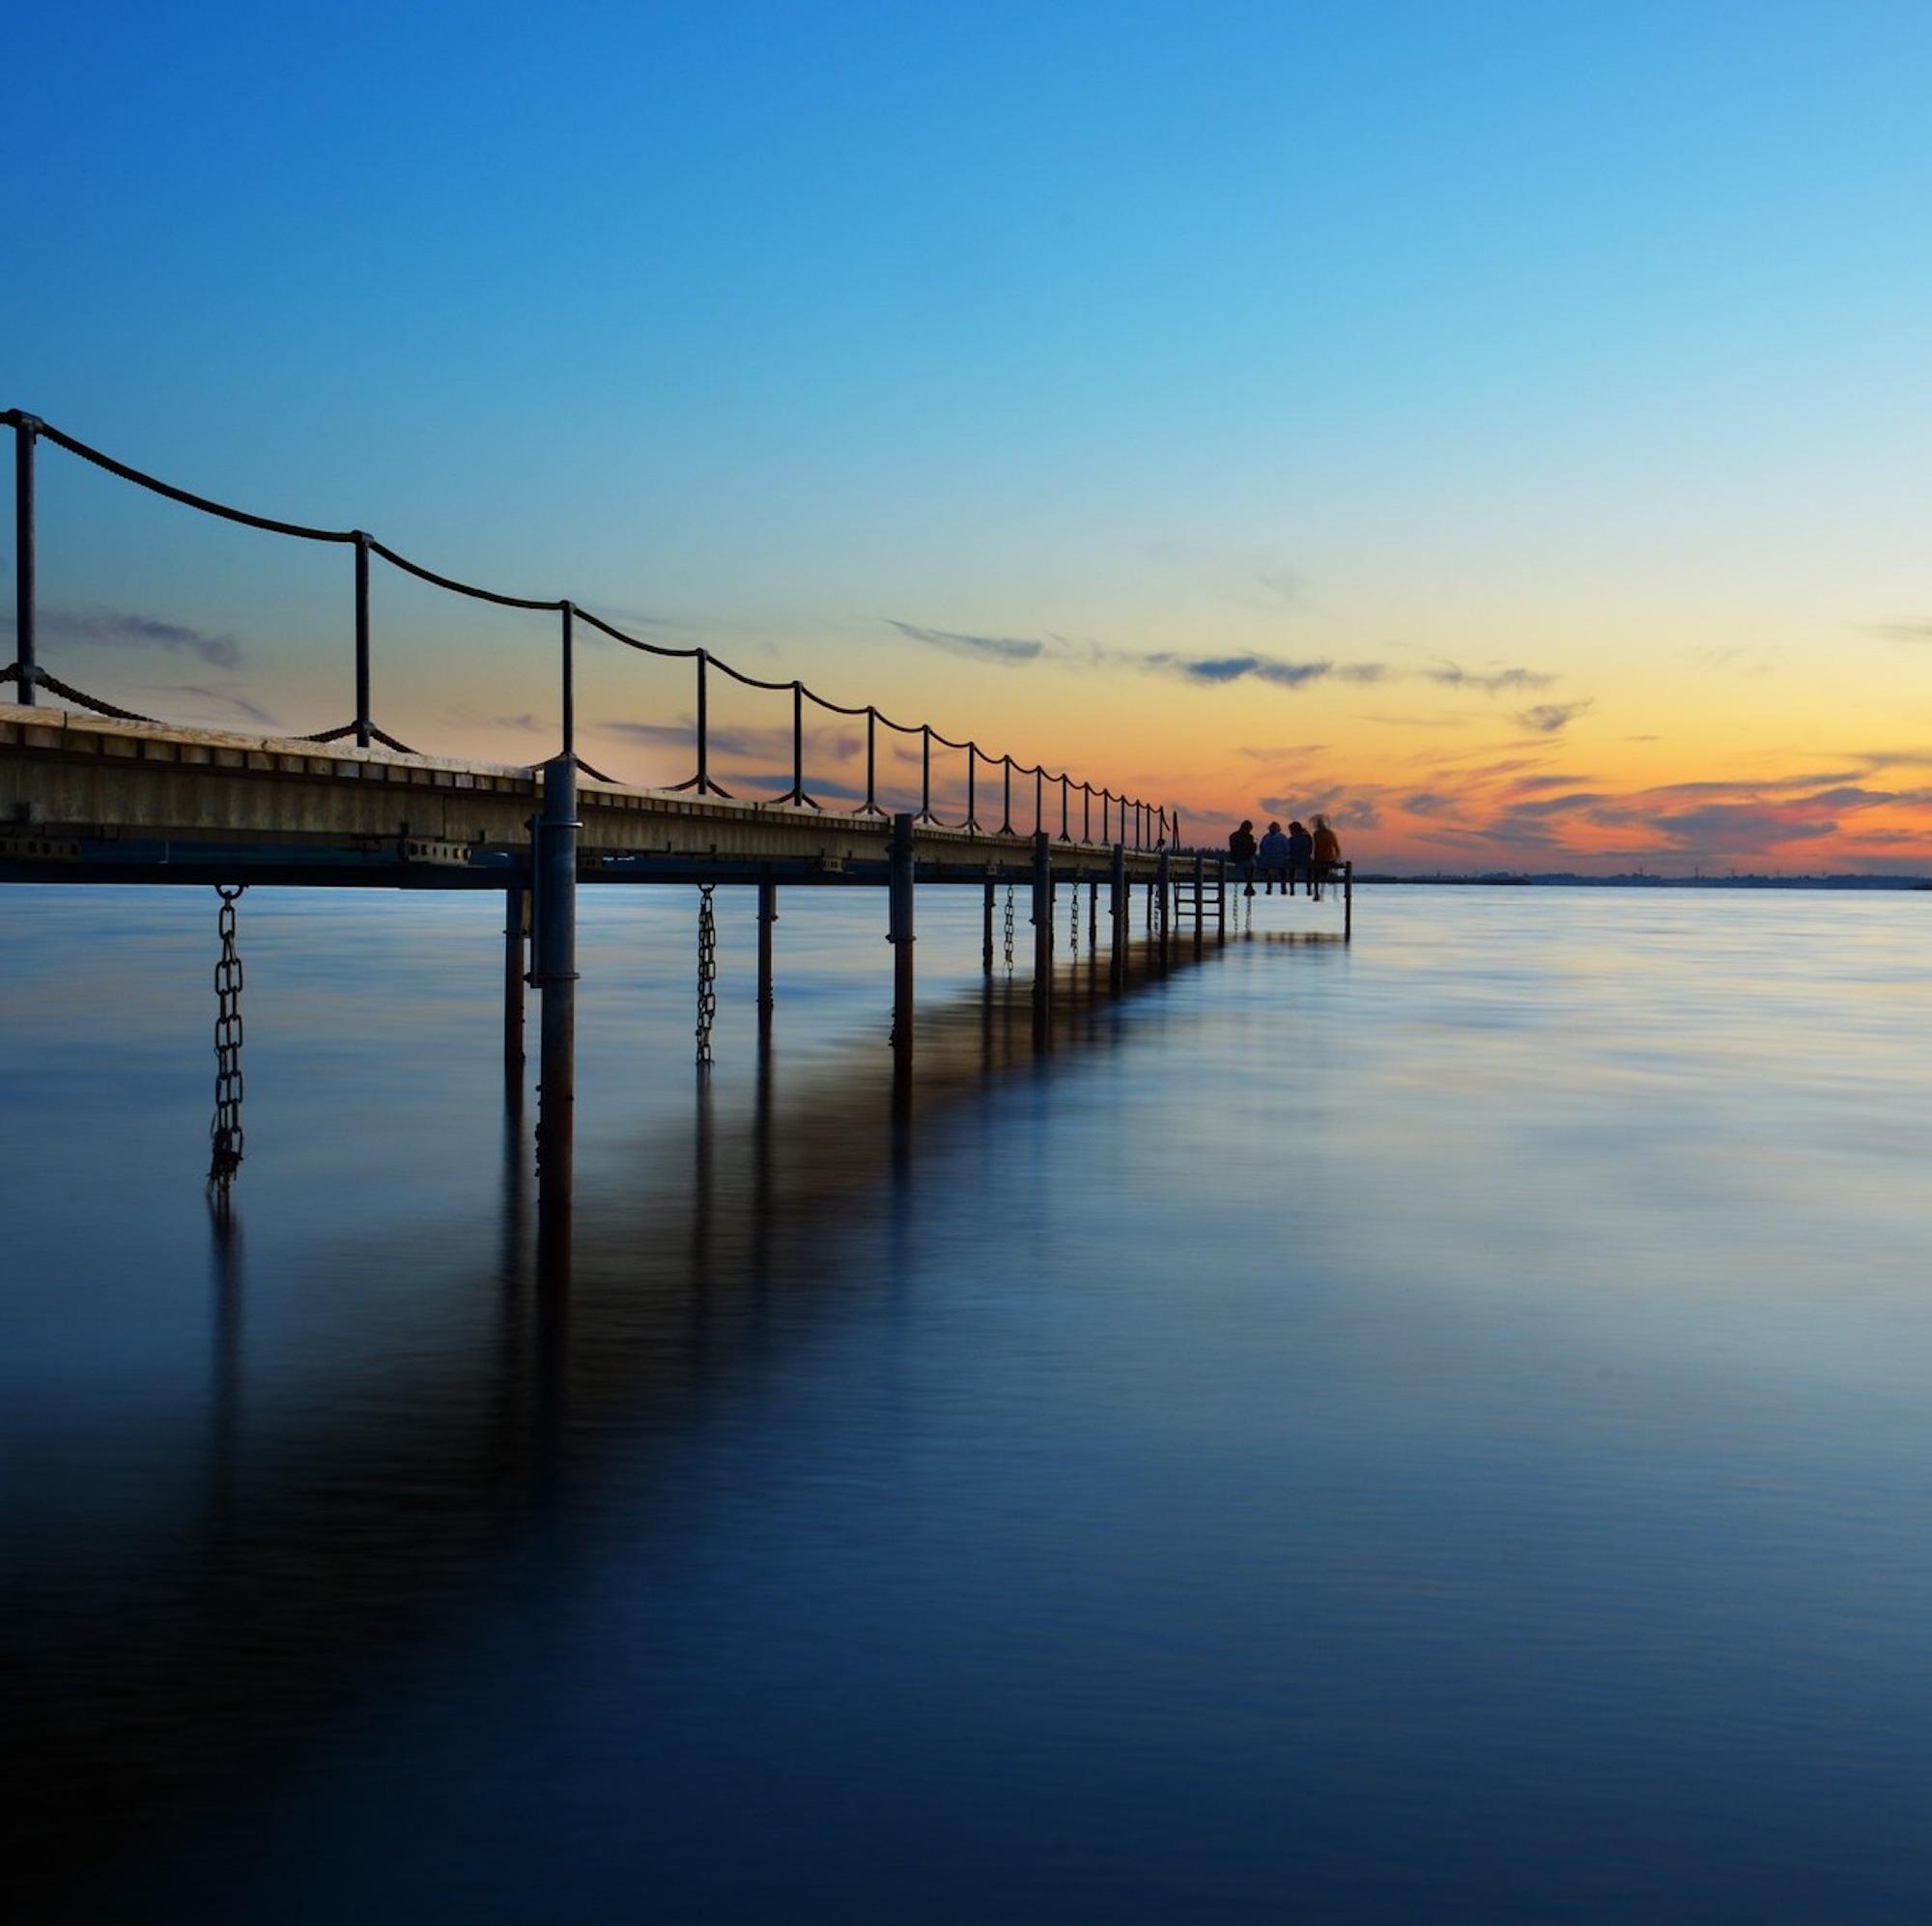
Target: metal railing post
column 25, row 430
column 972, row 794
column 1039, row 800
column 363, row 722
column 871, row 807
column 1064, row 836
column 925, row 773
column 1007, row 817
column 703, row 725
column 797, row 741
column 569, row 639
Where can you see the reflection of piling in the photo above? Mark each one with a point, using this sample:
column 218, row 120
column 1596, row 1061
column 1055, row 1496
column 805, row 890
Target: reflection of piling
column 900, row 933
column 1042, row 941
column 987, row 934
column 554, row 973
column 1162, row 896
column 516, row 925
column 1200, row 902
column 1348, row 901
column 1220, row 899
column 768, row 915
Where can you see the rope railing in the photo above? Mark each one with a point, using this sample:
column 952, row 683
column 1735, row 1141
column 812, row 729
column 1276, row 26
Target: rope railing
column 1151, row 827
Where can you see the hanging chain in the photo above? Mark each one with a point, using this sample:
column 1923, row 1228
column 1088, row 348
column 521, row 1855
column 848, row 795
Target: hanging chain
column 707, row 973
column 1074, row 893
column 1009, row 925
column 225, row 1139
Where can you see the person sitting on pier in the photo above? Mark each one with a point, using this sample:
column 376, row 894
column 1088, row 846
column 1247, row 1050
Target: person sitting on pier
column 1300, row 850
column 1274, row 860
column 1325, row 851
column 1242, row 853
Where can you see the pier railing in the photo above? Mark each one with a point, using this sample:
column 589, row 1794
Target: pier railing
column 1122, row 818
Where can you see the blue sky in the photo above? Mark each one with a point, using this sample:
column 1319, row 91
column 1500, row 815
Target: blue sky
column 1459, row 331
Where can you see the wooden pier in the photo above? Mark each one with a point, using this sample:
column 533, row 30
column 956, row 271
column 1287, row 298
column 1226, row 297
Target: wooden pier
column 93, row 794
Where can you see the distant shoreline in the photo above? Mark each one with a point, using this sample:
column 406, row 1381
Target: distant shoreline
column 1561, row 879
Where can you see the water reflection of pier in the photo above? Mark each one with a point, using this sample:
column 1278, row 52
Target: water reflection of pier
column 147, row 1677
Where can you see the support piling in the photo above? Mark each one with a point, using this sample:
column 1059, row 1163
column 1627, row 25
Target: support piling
column 987, row 933
column 1117, row 907
column 555, row 975
column 768, row 915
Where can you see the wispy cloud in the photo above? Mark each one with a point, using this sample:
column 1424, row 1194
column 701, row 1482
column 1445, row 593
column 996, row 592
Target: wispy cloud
column 226, row 698
column 1217, row 669
column 1549, row 717
column 1008, row 650
column 1491, row 681
column 1897, row 632
column 124, row 629
column 1283, row 752
column 526, row 721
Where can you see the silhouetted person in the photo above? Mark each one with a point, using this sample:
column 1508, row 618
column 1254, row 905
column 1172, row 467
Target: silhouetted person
column 1323, row 855
column 1300, row 856
column 1242, row 853
column 1274, row 860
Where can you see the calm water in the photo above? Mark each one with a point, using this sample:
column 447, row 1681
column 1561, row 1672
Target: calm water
column 1433, row 1431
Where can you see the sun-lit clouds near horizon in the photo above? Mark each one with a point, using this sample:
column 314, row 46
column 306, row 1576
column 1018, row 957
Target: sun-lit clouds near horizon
column 1542, row 394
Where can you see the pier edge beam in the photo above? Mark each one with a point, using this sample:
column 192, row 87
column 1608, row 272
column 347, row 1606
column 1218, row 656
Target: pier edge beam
column 554, row 870
column 899, row 934
column 768, row 915
column 1117, row 959
column 1042, row 939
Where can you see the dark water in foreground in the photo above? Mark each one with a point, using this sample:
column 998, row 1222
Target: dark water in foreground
column 1437, row 1430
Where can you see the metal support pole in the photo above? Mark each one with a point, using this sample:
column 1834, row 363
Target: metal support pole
column 987, row 934
column 1043, row 939
column 555, row 975
column 516, row 925
column 899, row 934
column 362, row 724
column 768, row 915
column 25, row 430
column 1117, row 903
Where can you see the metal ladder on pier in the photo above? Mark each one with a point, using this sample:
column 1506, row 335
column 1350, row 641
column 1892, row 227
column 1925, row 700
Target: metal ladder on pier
column 1204, row 895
